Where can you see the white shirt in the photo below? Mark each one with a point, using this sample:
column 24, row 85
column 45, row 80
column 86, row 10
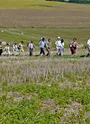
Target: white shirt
column 88, row 42
column 62, row 44
column 31, row 45
column 7, row 48
column 15, row 47
column 58, row 43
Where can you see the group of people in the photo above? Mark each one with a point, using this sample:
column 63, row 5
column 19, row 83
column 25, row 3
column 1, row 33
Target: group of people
column 73, row 46
column 17, row 49
column 59, row 46
column 45, row 45
column 59, row 43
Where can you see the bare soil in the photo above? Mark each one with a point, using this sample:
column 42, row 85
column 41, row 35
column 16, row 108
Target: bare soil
column 62, row 16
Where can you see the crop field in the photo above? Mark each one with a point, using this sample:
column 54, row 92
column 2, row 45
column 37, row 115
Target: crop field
column 42, row 89
column 41, row 13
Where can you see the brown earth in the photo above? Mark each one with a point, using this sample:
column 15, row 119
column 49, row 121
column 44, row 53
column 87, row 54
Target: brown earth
column 62, row 16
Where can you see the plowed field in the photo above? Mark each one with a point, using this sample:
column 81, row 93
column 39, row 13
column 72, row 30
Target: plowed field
column 65, row 15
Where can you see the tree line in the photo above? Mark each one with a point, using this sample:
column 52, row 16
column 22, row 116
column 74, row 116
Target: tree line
column 72, row 1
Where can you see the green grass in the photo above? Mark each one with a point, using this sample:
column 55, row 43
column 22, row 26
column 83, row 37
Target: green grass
column 35, row 33
column 35, row 4
column 44, row 90
column 30, row 111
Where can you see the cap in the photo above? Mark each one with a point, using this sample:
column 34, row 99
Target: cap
column 58, row 37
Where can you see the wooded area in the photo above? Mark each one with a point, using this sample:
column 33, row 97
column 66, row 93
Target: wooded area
column 72, row 1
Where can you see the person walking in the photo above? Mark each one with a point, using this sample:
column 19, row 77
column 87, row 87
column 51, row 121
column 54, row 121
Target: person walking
column 88, row 47
column 7, row 49
column 31, row 46
column 58, row 44
column 62, row 46
column 42, row 44
column 73, row 46
column 1, row 48
column 48, row 46
column 20, row 47
column 15, row 49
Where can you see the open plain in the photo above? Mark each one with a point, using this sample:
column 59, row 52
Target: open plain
column 41, row 89
column 62, row 15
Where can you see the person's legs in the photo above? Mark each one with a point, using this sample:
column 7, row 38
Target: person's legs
column 59, row 52
column 0, row 52
column 31, row 50
column 48, row 52
column 9, row 53
column 40, row 51
column 43, row 51
column 72, row 50
column 88, row 51
column 62, row 52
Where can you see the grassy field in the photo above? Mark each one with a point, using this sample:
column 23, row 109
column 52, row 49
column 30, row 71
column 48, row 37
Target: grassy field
column 35, row 4
column 44, row 90
column 13, row 35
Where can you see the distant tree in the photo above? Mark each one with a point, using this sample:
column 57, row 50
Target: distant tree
column 72, row 1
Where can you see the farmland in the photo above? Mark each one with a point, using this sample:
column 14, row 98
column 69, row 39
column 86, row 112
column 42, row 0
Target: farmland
column 61, row 15
column 44, row 90
column 41, row 89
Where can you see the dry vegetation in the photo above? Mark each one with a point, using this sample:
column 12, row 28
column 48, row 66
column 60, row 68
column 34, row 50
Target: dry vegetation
column 64, row 15
column 44, row 90
column 45, row 71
